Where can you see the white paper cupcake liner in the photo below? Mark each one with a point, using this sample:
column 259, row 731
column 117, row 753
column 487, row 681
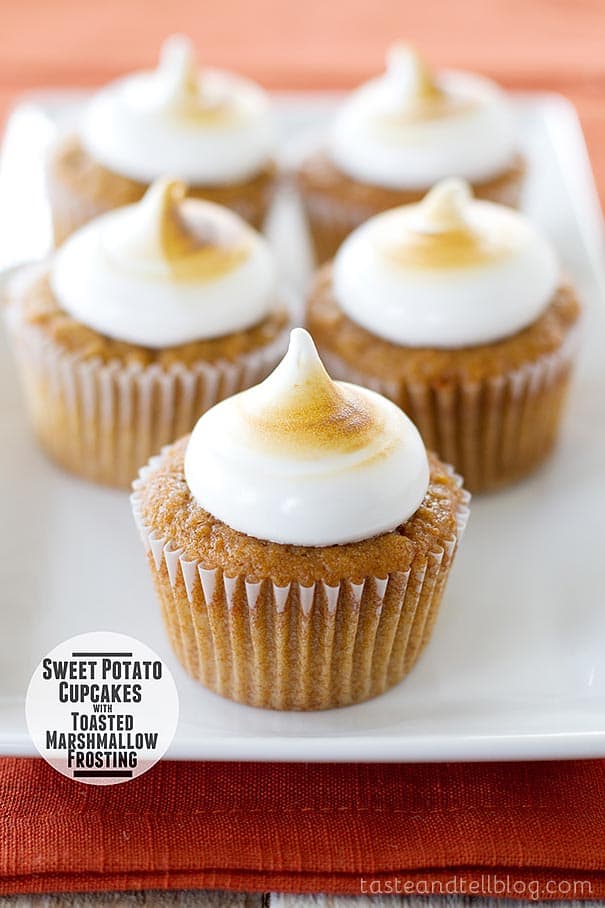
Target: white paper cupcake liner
column 104, row 420
column 332, row 219
column 493, row 431
column 296, row 646
column 71, row 209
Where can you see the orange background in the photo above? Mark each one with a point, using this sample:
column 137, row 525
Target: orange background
column 309, row 43
column 544, row 44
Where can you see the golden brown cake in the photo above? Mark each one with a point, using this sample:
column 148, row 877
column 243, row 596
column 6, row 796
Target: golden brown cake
column 400, row 133
column 285, row 625
column 210, row 128
column 492, row 408
column 80, row 189
column 102, row 404
column 335, row 204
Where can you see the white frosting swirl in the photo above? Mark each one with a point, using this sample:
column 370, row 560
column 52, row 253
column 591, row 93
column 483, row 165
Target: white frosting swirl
column 450, row 271
column 408, row 129
column 207, row 128
column 167, row 271
column 304, row 460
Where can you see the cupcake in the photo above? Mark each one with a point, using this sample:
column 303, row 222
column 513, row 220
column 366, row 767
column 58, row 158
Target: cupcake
column 210, row 128
column 456, row 309
column 399, row 134
column 143, row 319
column 300, row 540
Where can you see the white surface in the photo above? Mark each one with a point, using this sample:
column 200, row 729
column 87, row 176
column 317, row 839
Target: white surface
column 516, row 667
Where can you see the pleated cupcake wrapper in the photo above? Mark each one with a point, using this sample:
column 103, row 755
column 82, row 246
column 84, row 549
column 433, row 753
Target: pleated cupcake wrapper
column 331, row 219
column 509, row 193
column 296, row 646
column 104, row 420
column 70, row 211
column 492, row 431
column 331, row 222
column 254, row 210
column 344, row 215
column 347, row 213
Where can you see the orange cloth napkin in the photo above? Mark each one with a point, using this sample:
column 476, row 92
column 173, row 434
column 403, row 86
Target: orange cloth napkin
column 517, row 830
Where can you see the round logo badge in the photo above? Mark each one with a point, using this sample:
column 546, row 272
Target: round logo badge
column 102, row 708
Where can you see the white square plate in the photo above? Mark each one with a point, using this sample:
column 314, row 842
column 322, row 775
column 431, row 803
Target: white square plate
column 516, row 667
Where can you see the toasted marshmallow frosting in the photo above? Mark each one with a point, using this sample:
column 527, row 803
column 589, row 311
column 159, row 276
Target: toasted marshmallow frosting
column 302, row 459
column 409, row 128
column 450, row 271
column 167, row 271
column 207, row 128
